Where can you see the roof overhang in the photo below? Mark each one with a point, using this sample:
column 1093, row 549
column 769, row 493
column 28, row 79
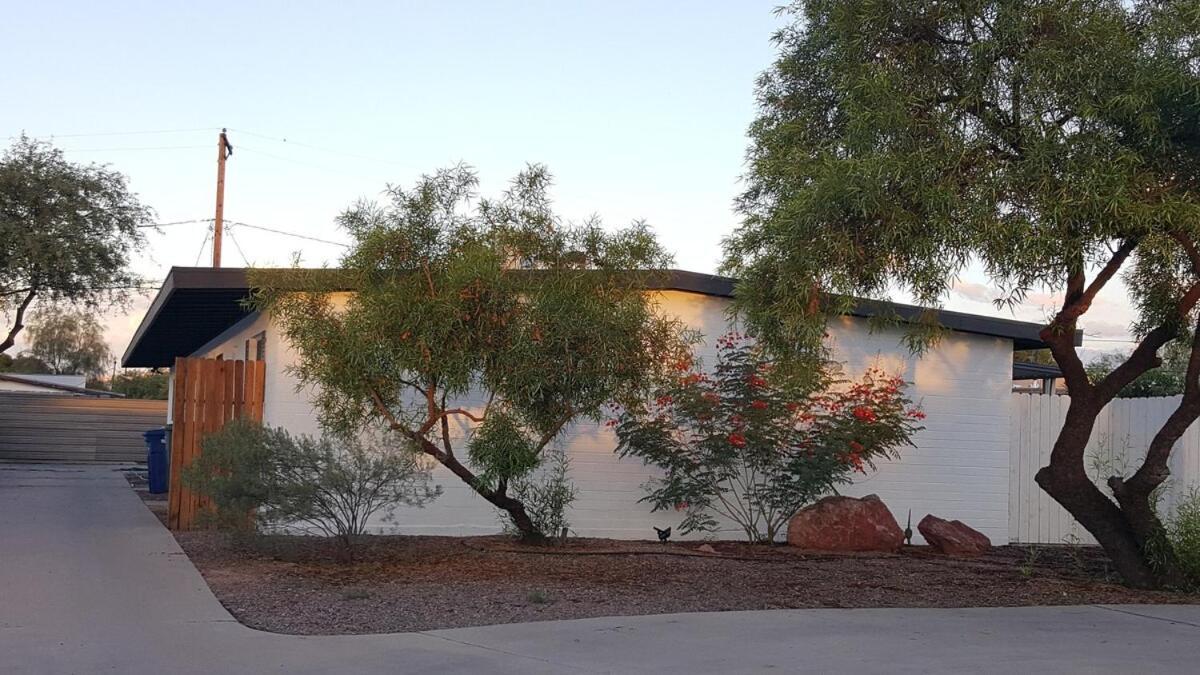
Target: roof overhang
column 196, row 304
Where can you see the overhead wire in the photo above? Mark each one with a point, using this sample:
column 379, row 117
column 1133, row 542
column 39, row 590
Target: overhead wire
column 204, row 243
column 119, row 133
column 238, row 246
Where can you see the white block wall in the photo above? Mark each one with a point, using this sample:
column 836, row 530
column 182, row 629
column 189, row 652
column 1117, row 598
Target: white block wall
column 959, row 469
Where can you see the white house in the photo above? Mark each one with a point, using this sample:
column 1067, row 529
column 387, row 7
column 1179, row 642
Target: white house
column 959, row 469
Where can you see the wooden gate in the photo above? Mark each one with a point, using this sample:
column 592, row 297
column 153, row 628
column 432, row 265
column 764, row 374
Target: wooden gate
column 208, row 393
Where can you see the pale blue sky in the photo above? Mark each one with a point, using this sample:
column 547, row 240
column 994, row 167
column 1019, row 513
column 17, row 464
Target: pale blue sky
column 638, row 108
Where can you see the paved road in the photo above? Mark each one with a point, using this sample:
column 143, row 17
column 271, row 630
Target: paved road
column 91, row 583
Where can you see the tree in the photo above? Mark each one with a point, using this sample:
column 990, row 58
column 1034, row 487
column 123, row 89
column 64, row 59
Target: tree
column 140, row 384
column 23, row 363
column 752, row 444
column 1052, row 142
column 485, row 326
column 66, row 233
column 1165, row 380
column 69, row 342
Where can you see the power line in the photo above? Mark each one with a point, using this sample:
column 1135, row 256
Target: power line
column 318, row 148
column 238, row 246
column 138, row 149
column 288, row 234
column 200, row 253
column 120, row 133
column 180, row 222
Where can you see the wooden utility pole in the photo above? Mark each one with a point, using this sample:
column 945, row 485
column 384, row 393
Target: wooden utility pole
column 224, row 150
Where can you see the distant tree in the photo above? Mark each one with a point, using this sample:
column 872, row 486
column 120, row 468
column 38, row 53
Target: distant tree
column 479, row 330
column 66, row 233
column 69, row 342
column 23, row 363
column 1053, row 143
column 1039, row 356
column 140, row 384
column 1165, row 380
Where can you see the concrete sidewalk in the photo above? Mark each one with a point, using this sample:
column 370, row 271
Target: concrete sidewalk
column 91, row 582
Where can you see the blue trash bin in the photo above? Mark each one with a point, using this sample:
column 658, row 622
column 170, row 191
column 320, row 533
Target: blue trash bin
column 156, row 459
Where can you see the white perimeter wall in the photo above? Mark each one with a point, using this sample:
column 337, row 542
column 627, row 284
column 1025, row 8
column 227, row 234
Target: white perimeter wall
column 959, row 469
column 1119, row 440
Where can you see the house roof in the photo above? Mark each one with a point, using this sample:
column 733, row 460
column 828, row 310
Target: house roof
column 43, row 384
column 1035, row 371
column 195, row 304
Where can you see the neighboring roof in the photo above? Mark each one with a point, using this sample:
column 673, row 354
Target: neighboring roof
column 34, row 381
column 1034, row 371
column 195, row 304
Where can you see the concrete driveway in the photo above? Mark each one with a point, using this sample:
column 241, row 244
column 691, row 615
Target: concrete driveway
column 91, row 583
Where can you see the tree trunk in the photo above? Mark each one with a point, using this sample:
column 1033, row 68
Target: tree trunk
column 1122, row 530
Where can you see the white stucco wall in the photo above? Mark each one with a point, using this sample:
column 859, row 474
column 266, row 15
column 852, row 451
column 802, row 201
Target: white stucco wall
column 959, row 469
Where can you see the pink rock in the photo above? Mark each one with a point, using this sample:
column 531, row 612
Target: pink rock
column 952, row 537
column 706, row 548
column 845, row 524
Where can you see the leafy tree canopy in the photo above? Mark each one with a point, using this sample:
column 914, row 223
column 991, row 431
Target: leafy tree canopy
column 1054, row 142
column 140, row 384
column 481, row 327
column 1166, row 380
column 69, row 342
column 67, row 232
column 23, row 363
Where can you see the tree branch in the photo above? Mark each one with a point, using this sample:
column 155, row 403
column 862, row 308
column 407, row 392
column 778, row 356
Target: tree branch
column 18, row 320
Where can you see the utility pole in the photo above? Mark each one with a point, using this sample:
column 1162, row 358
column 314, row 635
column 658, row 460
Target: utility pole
column 224, row 151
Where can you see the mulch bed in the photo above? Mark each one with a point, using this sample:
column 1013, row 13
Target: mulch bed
column 301, row 585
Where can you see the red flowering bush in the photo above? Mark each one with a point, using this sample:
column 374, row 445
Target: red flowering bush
column 750, row 444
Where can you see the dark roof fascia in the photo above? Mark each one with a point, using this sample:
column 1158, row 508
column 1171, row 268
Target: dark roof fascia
column 1025, row 335
column 11, row 377
column 1035, row 371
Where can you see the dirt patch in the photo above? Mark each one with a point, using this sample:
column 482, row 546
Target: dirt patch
column 400, row 583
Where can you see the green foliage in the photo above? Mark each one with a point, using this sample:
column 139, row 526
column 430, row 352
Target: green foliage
column 751, row 444
column 141, row 384
column 1183, row 534
column 898, row 141
column 67, row 232
column 1166, row 380
column 23, row 363
column 263, row 478
column 546, row 497
column 468, row 311
column 69, row 341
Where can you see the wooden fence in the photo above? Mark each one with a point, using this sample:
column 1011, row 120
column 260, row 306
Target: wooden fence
column 1118, row 444
column 66, row 428
column 208, row 393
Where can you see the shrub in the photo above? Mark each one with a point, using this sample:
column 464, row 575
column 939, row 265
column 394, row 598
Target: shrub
column 1183, row 534
column 750, row 443
column 546, row 497
column 258, row 477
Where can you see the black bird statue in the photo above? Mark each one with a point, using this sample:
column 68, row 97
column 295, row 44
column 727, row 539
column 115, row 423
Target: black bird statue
column 908, row 529
column 663, row 535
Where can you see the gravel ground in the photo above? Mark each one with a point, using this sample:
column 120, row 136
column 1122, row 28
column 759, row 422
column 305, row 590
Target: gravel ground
column 398, row 583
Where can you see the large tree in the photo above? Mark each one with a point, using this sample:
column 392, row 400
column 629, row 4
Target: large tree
column 477, row 330
column 67, row 232
column 1054, row 143
column 69, row 342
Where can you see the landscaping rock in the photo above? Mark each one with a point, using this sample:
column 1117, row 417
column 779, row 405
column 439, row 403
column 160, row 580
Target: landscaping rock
column 953, row 537
column 846, row 524
column 705, row 548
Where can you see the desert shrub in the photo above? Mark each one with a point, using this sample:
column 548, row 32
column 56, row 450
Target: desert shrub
column 1183, row 535
column 751, row 443
column 547, row 495
column 263, row 478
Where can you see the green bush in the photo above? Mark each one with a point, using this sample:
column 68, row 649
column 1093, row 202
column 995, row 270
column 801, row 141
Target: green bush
column 546, row 497
column 262, row 478
column 1183, row 533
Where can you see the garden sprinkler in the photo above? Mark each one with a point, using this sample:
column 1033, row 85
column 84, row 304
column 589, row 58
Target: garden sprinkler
column 908, row 529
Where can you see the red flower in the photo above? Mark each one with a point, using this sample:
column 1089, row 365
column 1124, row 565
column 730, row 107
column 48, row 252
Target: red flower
column 757, row 381
column 737, row 439
column 864, row 414
column 663, row 400
column 916, row 414
column 681, row 506
column 758, row 404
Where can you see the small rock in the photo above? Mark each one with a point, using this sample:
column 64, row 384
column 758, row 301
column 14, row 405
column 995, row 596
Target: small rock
column 705, row 548
column 845, row 524
column 953, row 537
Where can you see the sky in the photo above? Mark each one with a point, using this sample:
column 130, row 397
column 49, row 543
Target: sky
column 639, row 109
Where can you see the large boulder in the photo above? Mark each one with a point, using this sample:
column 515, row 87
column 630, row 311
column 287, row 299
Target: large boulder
column 952, row 537
column 845, row 524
